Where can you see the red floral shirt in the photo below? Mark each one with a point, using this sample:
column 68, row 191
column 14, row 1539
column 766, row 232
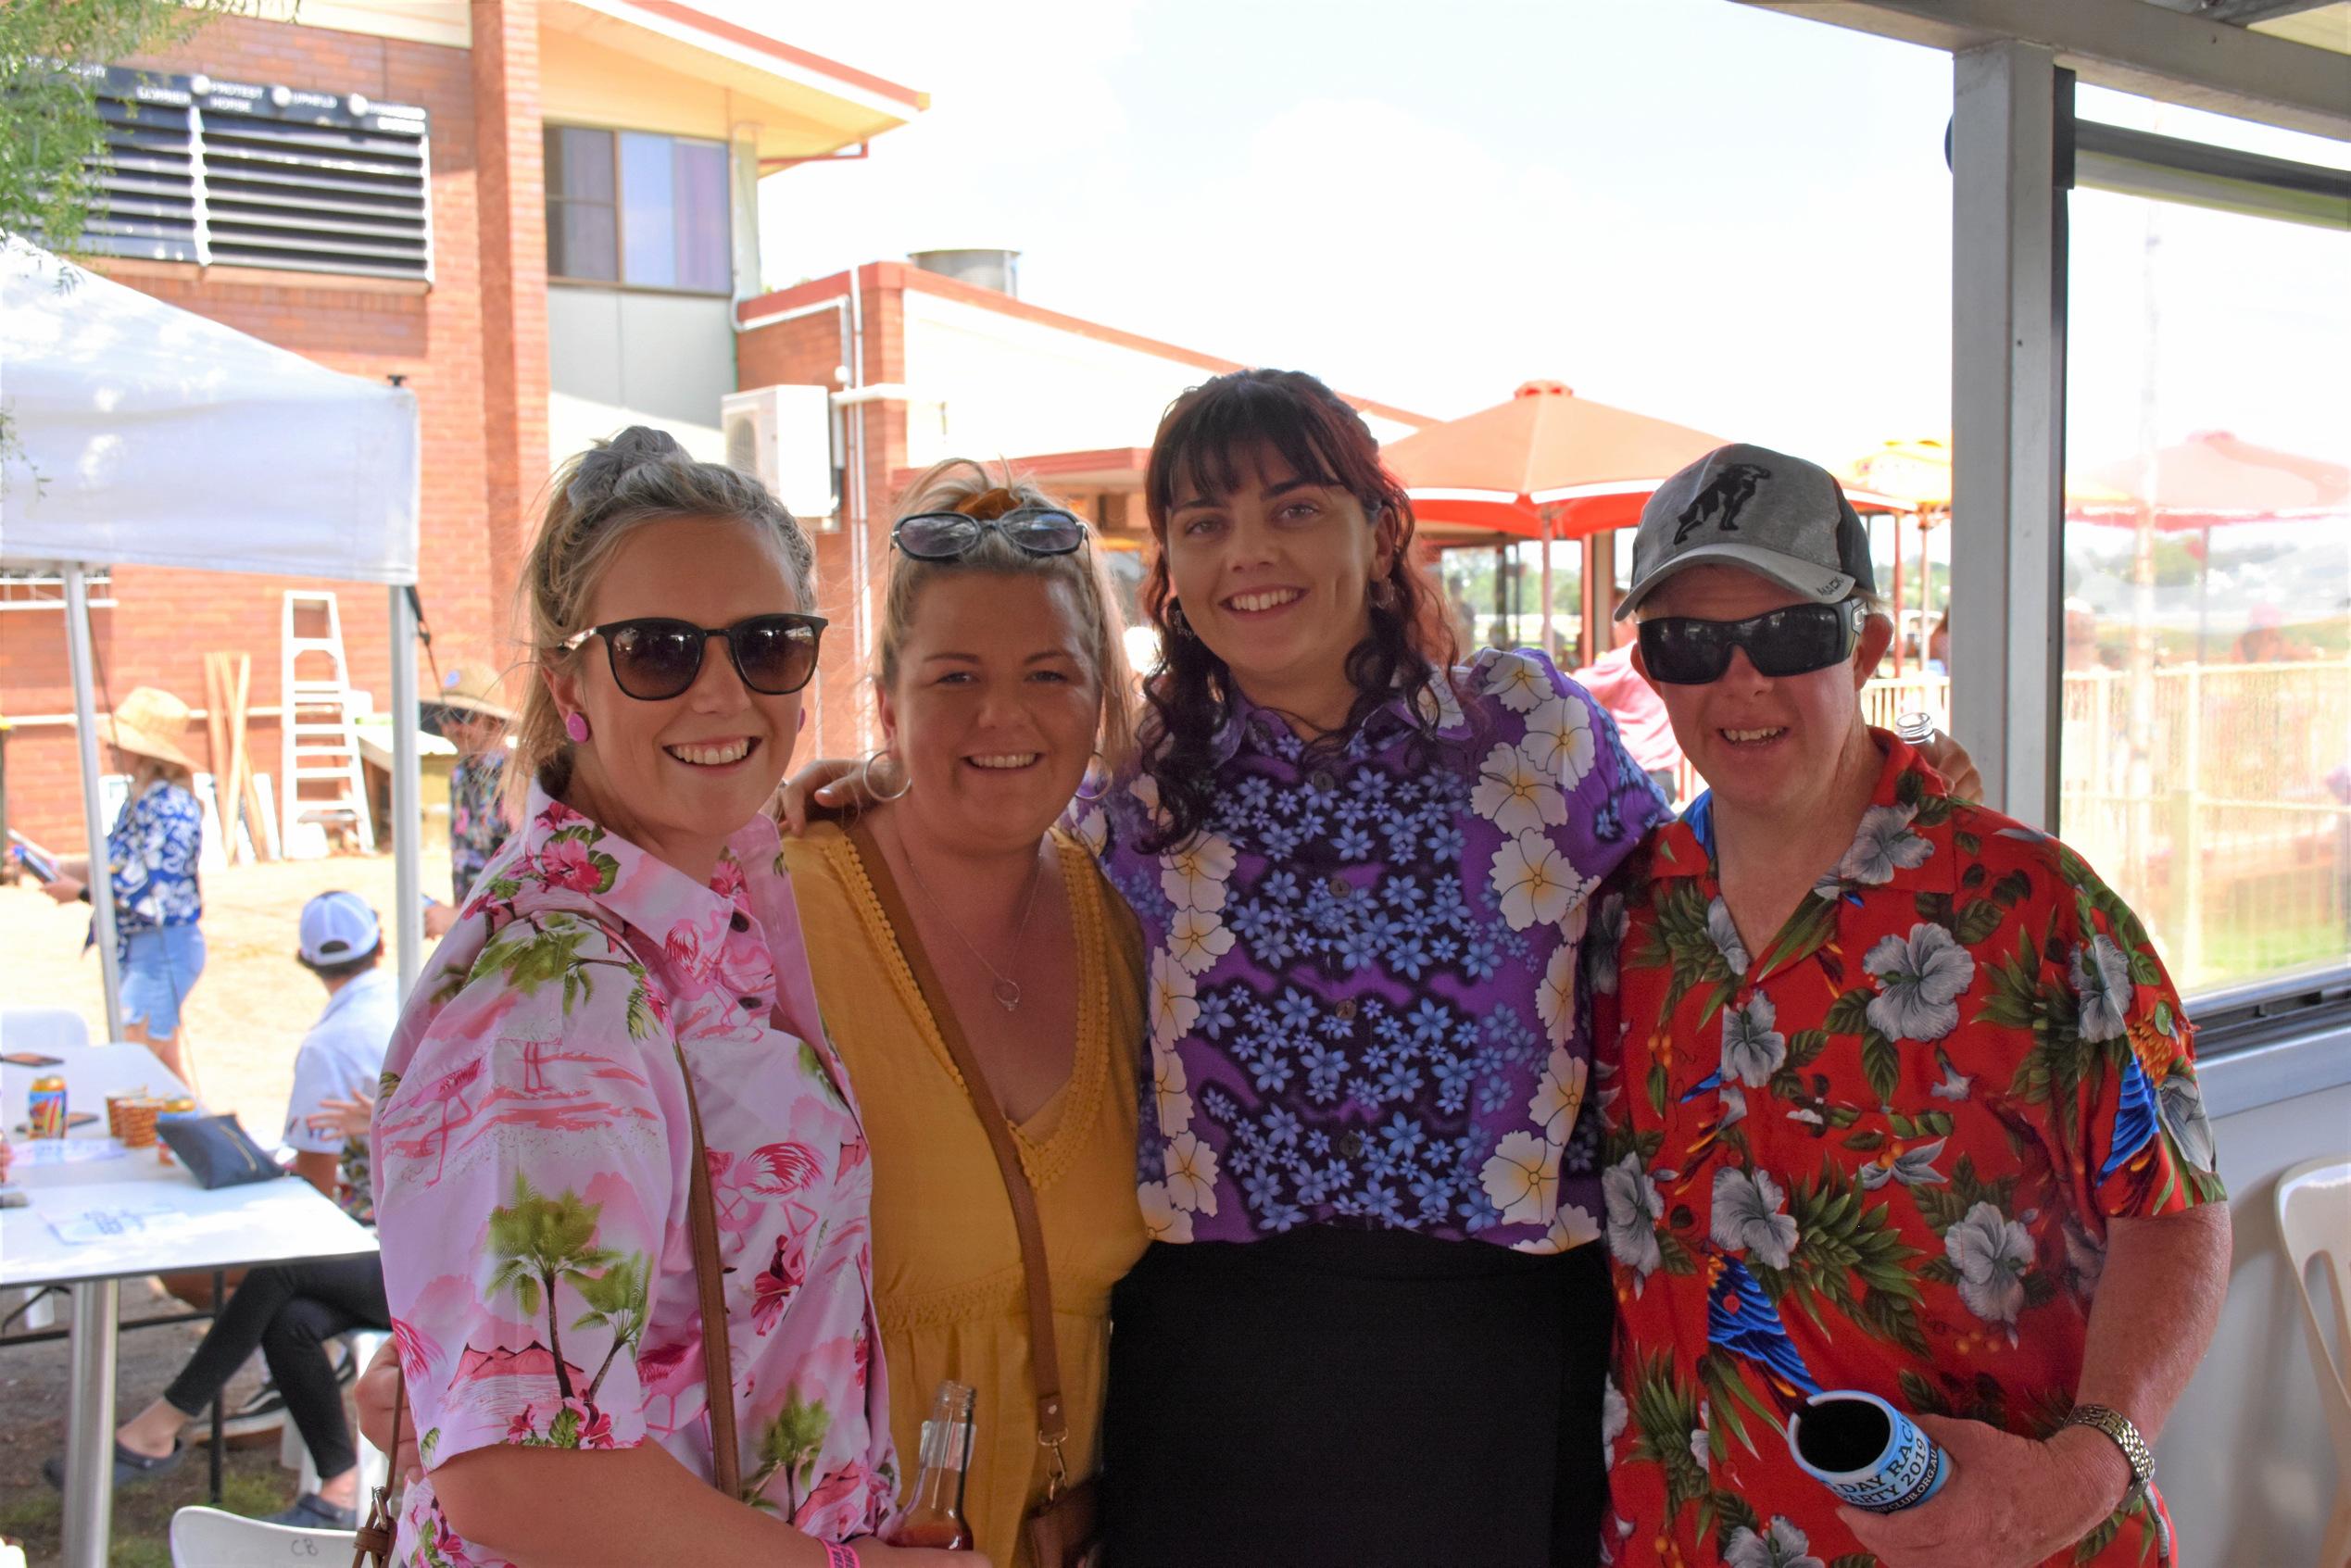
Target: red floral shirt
column 1880, row 1154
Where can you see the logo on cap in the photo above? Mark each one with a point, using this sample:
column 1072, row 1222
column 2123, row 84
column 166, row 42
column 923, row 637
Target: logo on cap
column 1722, row 500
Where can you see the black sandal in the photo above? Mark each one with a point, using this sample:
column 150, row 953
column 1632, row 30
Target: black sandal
column 128, row 1466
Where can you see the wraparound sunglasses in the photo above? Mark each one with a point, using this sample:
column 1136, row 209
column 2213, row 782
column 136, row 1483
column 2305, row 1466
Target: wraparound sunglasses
column 655, row 657
column 1682, row 651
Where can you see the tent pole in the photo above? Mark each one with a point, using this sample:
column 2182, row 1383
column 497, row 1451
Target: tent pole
column 1550, row 639
column 85, row 731
column 407, row 809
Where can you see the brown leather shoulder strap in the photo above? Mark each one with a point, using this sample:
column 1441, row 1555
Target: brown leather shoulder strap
column 1044, row 1351
column 718, row 1367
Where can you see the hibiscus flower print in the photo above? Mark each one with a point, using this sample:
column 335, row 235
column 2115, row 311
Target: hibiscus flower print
column 1513, row 795
column 1991, row 1253
column 1521, row 1179
column 1518, row 684
column 1748, row 1216
column 1161, row 1219
column 1634, row 1208
column 564, row 863
column 1196, row 940
column 1191, row 1175
column 2102, row 985
column 2180, row 1106
column 1615, row 1414
column 1780, row 1545
column 1921, row 979
column 1884, row 845
column 775, row 1284
column 1752, row 1049
column 1723, row 932
column 1559, row 741
column 1536, row 882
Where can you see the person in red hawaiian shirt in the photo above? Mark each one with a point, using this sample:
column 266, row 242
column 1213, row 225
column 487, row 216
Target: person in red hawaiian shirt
column 1897, row 1097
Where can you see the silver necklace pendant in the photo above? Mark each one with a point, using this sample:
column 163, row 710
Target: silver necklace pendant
column 1007, row 994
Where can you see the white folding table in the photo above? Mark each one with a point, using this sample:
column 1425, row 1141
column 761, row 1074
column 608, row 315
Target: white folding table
column 125, row 1217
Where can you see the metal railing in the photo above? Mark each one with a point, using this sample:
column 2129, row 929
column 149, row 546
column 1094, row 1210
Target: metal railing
column 2215, row 799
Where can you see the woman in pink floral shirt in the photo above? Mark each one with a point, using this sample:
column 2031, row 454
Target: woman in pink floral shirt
column 633, row 952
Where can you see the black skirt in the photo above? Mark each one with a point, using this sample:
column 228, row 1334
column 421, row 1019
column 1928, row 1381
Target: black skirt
column 1356, row 1399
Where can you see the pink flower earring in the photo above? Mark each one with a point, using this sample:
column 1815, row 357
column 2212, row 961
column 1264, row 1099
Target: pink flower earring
column 576, row 726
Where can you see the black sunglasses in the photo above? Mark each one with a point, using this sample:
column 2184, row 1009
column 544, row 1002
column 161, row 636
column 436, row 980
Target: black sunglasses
column 655, row 657
column 1041, row 531
column 1795, row 641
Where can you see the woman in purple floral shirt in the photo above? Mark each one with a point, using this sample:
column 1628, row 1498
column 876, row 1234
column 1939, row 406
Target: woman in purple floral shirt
column 1369, row 1330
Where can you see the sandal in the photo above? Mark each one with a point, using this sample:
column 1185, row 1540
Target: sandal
column 128, row 1466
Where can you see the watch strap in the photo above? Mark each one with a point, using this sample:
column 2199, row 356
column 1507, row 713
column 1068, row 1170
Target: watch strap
column 2124, row 1436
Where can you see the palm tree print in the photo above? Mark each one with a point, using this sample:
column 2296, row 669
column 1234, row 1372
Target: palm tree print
column 618, row 1298
column 540, row 1242
column 787, row 1449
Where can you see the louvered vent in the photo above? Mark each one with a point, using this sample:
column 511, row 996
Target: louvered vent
column 243, row 174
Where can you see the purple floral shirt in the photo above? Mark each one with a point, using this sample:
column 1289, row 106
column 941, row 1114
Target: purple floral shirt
column 1363, row 1006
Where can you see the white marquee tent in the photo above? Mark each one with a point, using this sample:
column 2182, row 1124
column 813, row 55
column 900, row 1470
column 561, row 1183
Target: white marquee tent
column 143, row 435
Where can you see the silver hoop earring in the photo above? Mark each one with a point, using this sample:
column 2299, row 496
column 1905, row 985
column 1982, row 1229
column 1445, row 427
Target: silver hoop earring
column 1089, row 799
column 1383, row 594
column 865, row 777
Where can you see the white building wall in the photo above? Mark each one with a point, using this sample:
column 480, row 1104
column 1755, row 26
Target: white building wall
column 982, row 383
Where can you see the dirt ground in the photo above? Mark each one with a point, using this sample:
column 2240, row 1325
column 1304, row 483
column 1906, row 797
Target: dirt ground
column 245, row 1017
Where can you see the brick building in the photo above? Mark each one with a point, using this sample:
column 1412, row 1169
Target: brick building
column 538, row 213
column 921, row 364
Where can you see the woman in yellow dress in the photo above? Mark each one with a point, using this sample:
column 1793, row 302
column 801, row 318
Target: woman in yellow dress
column 1000, row 679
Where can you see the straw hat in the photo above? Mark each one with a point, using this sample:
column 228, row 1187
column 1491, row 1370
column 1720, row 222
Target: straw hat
column 150, row 722
column 471, row 689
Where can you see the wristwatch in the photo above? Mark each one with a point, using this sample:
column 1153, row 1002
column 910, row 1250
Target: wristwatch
column 2116, row 1426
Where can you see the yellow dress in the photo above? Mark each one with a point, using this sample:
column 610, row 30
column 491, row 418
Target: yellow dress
column 947, row 1261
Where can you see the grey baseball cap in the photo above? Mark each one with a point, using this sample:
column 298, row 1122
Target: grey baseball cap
column 1775, row 515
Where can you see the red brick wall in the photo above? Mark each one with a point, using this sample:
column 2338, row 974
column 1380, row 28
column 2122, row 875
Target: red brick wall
column 805, row 351
column 168, row 619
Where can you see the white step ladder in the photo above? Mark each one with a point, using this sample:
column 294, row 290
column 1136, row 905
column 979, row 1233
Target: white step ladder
column 321, row 745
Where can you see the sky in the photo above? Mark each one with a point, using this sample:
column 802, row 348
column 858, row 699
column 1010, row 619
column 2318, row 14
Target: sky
column 1728, row 218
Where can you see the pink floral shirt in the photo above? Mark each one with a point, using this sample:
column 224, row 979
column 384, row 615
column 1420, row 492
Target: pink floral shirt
column 532, row 1147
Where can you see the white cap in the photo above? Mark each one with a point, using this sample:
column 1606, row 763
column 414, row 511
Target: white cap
column 338, row 927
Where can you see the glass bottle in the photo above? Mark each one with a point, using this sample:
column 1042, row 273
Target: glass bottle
column 934, row 1514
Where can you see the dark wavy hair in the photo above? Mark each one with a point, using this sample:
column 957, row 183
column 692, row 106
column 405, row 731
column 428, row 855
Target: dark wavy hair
column 1207, row 438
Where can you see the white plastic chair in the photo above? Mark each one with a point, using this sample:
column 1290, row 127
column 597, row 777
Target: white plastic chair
column 206, row 1537
column 294, row 1454
column 42, row 1029
column 2314, row 1216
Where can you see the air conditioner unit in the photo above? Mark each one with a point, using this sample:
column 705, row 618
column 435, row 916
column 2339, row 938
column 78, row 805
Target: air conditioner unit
column 783, row 437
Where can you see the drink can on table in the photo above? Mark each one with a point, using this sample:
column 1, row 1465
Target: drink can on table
column 47, row 1107
column 181, row 1106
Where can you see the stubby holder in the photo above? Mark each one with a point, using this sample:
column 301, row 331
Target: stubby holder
column 1867, row 1451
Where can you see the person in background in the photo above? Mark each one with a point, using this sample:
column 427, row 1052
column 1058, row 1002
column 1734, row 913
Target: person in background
column 473, row 718
column 151, row 858
column 1939, row 646
column 2264, row 640
column 999, row 678
column 1640, row 718
column 291, row 1311
column 1897, row 1095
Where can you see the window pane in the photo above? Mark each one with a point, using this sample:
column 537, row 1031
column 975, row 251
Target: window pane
column 580, row 242
column 648, row 208
column 702, row 258
column 579, row 163
column 2205, row 740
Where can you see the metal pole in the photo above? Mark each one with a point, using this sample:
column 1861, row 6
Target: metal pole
column 407, row 808
column 2007, row 404
column 85, row 729
column 1551, row 641
column 89, row 1502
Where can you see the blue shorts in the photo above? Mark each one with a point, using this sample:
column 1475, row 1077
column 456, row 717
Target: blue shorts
column 160, row 972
